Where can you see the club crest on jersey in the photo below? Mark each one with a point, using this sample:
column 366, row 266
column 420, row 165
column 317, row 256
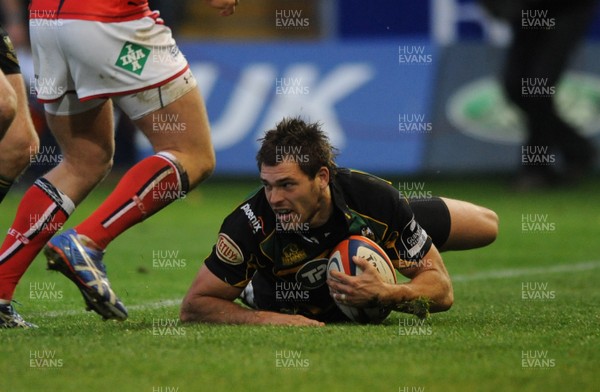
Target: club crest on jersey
column 292, row 254
column 133, row 57
column 228, row 251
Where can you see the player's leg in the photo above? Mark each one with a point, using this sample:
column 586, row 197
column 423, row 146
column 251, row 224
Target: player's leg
column 20, row 141
column 184, row 157
column 86, row 144
column 8, row 111
column 17, row 140
column 455, row 224
column 181, row 160
column 190, row 140
column 472, row 226
column 8, row 104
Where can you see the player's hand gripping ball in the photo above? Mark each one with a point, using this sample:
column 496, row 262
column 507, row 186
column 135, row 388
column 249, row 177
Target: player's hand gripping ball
column 341, row 260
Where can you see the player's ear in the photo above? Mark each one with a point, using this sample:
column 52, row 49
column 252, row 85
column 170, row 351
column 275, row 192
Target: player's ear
column 323, row 177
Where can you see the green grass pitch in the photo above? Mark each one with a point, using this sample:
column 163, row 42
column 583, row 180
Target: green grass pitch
column 525, row 315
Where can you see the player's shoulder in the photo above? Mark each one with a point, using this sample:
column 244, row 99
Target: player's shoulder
column 251, row 217
column 363, row 185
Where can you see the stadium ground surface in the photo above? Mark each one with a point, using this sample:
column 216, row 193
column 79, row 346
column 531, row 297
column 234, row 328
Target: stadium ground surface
column 525, row 315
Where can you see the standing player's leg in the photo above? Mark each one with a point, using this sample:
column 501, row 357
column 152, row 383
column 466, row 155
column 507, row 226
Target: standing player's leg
column 20, row 141
column 17, row 141
column 8, row 104
column 182, row 160
column 86, row 142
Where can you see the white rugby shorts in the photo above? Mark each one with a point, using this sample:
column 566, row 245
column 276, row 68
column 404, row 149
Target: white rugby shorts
column 79, row 64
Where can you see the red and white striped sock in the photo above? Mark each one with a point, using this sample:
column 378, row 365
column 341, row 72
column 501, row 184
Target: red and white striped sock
column 42, row 212
column 145, row 189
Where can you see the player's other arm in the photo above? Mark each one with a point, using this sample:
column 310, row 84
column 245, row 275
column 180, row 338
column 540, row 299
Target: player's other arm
column 429, row 280
column 210, row 300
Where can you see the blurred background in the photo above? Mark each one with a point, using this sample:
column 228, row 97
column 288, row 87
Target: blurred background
column 403, row 87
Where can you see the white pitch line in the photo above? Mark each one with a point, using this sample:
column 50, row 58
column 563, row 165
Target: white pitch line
column 494, row 274
column 151, row 305
column 518, row 272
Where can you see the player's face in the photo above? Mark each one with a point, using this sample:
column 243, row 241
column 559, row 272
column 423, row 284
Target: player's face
column 294, row 196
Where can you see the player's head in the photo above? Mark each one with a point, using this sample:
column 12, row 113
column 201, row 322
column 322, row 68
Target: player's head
column 294, row 140
column 296, row 161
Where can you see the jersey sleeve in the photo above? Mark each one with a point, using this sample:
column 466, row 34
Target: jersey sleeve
column 231, row 257
column 405, row 236
column 413, row 242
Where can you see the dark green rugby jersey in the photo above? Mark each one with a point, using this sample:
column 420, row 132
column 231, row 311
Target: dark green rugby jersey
column 290, row 263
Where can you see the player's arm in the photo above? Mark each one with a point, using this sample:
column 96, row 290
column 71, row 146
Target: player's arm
column 429, row 280
column 210, row 300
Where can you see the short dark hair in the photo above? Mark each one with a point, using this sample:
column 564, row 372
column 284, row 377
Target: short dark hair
column 295, row 140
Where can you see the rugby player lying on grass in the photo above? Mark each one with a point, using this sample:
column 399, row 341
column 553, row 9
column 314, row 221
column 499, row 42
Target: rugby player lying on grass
column 280, row 239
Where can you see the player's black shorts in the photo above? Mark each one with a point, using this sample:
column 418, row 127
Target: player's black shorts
column 433, row 216
column 9, row 64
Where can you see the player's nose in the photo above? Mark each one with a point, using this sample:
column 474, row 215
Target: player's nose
column 275, row 197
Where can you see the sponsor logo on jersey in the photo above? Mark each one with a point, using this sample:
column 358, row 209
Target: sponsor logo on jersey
column 313, row 274
column 228, row 251
column 256, row 223
column 133, row 57
column 413, row 238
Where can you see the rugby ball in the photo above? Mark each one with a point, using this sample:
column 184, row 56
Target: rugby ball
column 340, row 259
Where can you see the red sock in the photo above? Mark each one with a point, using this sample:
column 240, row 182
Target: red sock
column 41, row 213
column 145, row 189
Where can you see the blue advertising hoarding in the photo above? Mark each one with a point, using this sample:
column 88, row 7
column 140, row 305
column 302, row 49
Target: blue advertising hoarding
column 366, row 94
